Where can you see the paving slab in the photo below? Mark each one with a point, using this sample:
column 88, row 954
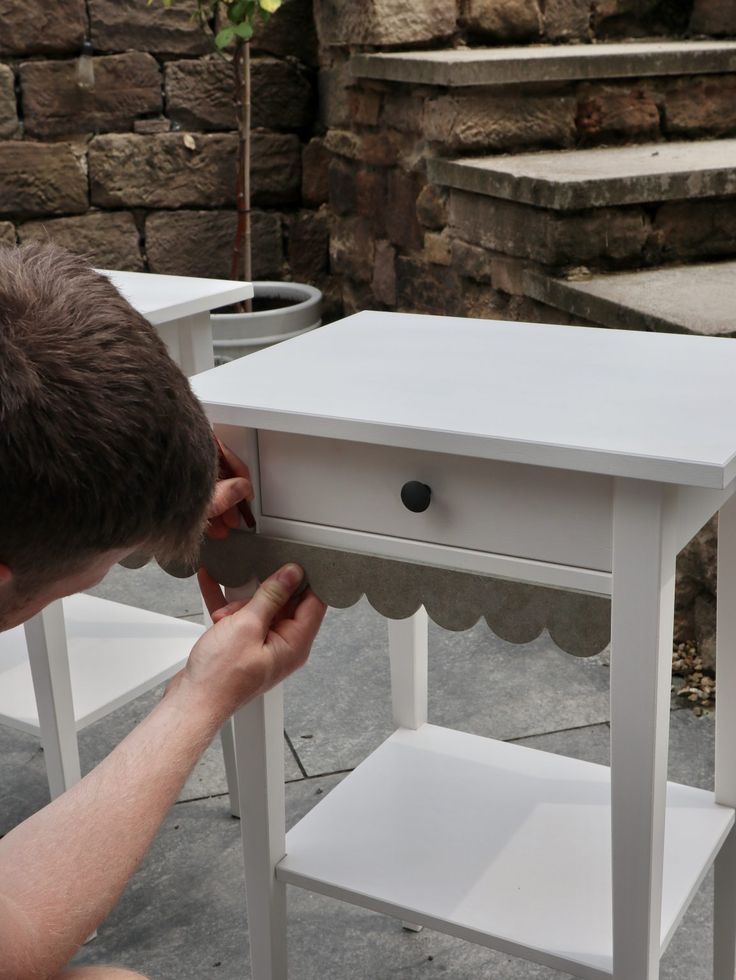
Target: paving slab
column 698, row 299
column 569, row 62
column 599, row 177
column 338, row 707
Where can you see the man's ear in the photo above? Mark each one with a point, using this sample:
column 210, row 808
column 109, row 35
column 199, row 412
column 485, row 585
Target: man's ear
column 6, row 576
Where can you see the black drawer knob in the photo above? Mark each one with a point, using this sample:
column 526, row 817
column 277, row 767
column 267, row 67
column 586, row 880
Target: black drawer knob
column 416, row 496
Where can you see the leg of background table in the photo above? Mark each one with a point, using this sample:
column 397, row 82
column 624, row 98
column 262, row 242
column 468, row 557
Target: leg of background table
column 641, row 663
column 259, row 738
column 195, row 344
column 47, row 652
column 227, row 738
column 724, row 924
column 407, row 648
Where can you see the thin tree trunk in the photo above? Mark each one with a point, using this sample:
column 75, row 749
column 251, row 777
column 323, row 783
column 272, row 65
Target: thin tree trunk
column 241, row 265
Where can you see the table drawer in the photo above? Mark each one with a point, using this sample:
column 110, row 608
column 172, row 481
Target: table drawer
column 506, row 508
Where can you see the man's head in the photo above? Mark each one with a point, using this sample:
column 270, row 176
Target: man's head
column 103, row 447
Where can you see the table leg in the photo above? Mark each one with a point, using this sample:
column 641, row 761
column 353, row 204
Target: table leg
column 641, row 659
column 49, row 659
column 407, row 648
column 259, row 759
column 724, row 918
column 195, row 344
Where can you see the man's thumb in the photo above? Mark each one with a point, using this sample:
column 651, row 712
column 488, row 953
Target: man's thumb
column 273, row 594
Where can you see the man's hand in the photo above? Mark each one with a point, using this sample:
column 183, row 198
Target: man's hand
column 223, row 514
column 252, row 645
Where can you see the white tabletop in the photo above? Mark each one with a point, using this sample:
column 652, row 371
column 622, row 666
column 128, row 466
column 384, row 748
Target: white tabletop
column 650, row 406
column 164, row 298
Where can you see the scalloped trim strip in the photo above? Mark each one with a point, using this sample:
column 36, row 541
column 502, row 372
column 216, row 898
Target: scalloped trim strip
column 518, row 612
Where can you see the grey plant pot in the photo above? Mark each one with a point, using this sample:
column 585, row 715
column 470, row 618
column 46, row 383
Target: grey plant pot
column 237, row 334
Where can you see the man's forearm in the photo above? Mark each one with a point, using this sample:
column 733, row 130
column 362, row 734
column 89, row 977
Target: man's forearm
column 63, row 870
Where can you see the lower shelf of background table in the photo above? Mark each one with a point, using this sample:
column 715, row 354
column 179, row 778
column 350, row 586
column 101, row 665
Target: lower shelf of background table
column 500, row 844
column 116, row 652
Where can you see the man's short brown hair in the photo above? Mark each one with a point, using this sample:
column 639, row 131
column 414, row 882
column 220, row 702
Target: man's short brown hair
column 102, row 443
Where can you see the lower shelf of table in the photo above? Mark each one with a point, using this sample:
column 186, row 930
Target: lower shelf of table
column 500, row 844
column 116, row 653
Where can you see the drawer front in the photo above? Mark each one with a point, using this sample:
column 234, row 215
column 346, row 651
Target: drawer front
column 505, row 508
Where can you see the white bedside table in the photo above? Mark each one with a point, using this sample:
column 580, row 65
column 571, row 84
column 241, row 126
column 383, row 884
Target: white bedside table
column 83, row 657
column 560, row 456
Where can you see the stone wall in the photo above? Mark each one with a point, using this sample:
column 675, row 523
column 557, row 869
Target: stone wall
column 138, row 171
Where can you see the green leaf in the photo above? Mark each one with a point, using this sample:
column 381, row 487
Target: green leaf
column 236, row 11
column 245, row 30
column 270, row 6
column 224, row 37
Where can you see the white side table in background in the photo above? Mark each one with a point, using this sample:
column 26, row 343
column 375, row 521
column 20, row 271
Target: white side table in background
column 82, row 657
column 555, row 456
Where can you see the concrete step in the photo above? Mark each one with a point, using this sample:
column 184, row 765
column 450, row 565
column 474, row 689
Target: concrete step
column 697, row 299
column 460, row 67
column 602, row 177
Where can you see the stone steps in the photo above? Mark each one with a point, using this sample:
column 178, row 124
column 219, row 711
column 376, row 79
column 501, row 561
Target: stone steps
column 698, row 299
column 613, row 208
column 466, row 67
column 601, row 177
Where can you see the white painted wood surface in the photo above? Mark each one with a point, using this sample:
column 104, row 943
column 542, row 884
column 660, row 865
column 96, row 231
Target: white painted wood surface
column 602, row 401
column 497, row 843
column 643, row 597
column 164, row 298
column 527, row 511
column 116, row 652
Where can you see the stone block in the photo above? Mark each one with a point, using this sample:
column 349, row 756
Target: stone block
column 437, row 248
column 432, row 206
column 504, row 20
column 423, row 288
column 403, row 111
column 200, row 243
column 54, row 104
column 402, row 225
column 552, row 238
column 110, row 240
column 486, row 120
column 40, row 27
column 7, row 233
column 41, row 178
column 352, row 248
column 149, row 127
column 125, row 25
column 693, row 229
column 289, row 33
column 365, row 106
column 341, row 179
column 276, row 169
column 199, row 94
column 607, row 112
column 8, row 111
column 383, row 21
column 383, row 282
column 566, row 20
column 356, row 297
column 704, row 106
column 335, row 84
column 166, row 171
column 471, row 261
column 315, row 164
column 483, row 303
column 507, row 275
column 713, row 17
column 309, row 245
column 371, row 197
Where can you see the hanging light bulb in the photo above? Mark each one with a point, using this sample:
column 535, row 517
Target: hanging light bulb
column 86, row 66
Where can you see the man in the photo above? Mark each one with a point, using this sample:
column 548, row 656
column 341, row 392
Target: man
column 104, row 450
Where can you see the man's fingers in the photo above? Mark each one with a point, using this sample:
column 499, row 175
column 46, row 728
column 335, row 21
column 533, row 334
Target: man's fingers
column 212, row 594
column 237, row 465
column 304, row 625
column 272, row 595
column 228, row 610
column 229, row 493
